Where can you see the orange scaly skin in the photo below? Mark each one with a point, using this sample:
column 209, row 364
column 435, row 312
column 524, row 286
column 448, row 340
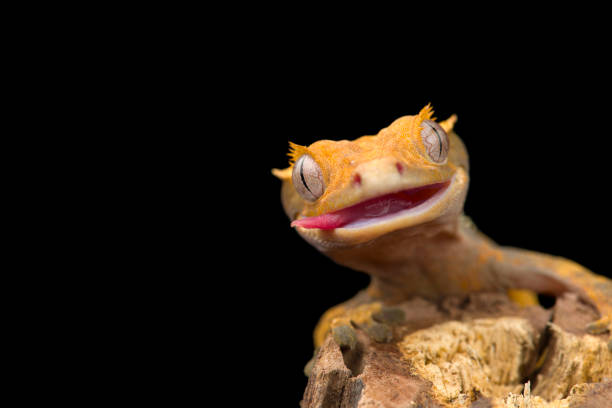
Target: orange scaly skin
column 431, row 252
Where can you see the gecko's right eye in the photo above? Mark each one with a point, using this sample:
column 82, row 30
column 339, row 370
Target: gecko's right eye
column 308, row 178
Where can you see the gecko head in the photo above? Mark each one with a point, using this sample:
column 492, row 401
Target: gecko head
column 343, row 193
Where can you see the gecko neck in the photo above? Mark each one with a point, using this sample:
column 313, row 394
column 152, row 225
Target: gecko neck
column 402, row 264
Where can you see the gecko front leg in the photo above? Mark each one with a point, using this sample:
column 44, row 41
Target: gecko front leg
column 362, row 312
column 552, row 275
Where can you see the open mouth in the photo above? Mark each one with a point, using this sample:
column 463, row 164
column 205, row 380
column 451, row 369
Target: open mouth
column 375, row 209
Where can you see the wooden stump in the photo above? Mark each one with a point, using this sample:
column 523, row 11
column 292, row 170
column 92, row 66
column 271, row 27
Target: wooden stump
column 481, row 352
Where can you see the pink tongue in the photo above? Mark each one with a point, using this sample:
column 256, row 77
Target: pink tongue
column 373, row 208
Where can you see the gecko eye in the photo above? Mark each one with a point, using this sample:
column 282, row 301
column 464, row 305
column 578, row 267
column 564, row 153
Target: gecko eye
column 435, row 140
column 308, row 178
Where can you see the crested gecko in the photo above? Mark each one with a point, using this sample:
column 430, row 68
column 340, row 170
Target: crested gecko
column 391, row 205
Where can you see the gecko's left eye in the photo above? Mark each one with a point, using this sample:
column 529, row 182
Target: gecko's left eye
column 308, row 178
column 435, row 140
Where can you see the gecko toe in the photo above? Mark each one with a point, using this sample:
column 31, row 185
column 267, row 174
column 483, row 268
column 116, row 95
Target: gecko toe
column 389, row 315
column 310, row 363
column 380, row 332
column 599, row 326
column 345, row 336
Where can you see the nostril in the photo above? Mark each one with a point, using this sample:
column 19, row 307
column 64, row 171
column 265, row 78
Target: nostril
column 399, row 167
column 357, row 179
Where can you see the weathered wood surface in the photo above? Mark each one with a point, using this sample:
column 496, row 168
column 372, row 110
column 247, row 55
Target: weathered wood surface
column 480, row 352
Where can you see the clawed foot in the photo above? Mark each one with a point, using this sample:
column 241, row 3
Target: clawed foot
column 376, row 324
column 375, row 321
column 342, row 321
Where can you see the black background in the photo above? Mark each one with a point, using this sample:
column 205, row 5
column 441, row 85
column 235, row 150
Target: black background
column 536, row 129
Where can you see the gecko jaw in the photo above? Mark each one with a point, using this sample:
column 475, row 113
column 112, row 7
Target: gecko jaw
column 378, row 209
column 444, row 205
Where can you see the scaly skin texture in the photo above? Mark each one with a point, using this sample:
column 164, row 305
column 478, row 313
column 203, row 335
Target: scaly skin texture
column 432, row 252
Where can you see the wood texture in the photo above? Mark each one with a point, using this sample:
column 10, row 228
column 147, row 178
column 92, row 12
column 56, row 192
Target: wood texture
column 483, row 351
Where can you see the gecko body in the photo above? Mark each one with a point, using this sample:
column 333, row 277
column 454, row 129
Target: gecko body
column 391, row 205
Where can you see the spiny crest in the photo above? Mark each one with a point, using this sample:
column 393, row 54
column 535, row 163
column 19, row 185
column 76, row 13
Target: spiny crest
column 449, row 123
column 295, row 151
column 427, row 113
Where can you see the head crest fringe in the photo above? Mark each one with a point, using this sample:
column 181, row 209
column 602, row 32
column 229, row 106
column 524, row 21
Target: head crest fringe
column 295, row 151
column 427, row 113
